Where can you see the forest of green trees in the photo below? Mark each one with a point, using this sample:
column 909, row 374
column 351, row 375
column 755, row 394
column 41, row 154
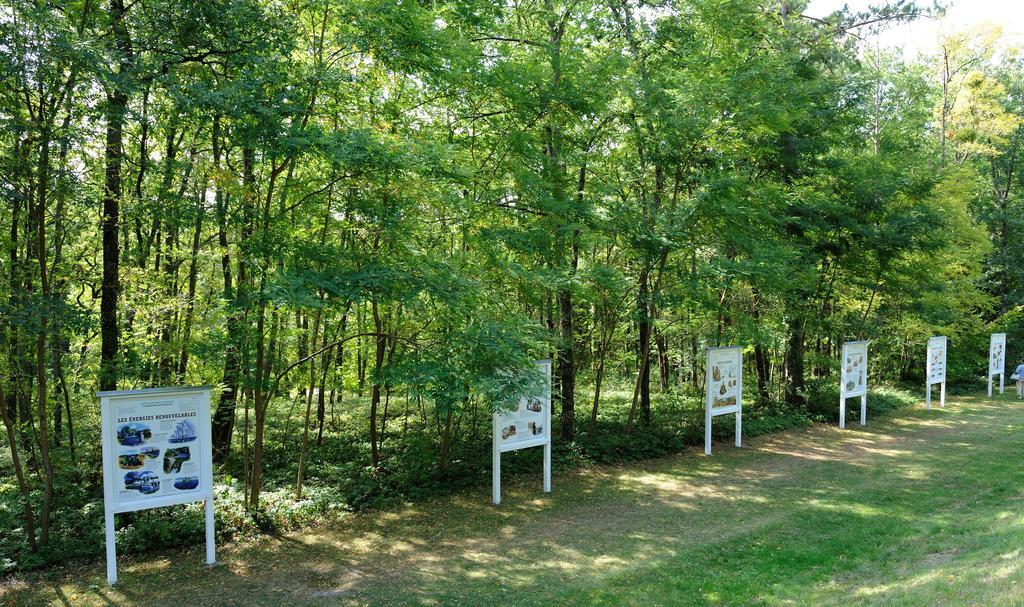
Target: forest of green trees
column 362, row 220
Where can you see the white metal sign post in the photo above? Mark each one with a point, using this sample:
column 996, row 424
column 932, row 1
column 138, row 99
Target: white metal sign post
column 853, row 379
column 935, row 370
column 528, row 426
column 723, row 390
column 156, row 452
column 996, row 360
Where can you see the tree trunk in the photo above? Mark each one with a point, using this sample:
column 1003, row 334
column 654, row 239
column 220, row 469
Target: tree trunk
column 566, row 365
column 190, row 307
column 644, row 328
column 260, row 402
column 224, row 416
column 760, row 353
column 663, row 363
column 378, row 363
column 795, row 364
column 110, row 290
column 169, row 207
column 41, row 377
column 19, row 473
column 309, row 405
column 446, row 440
column 602, row 354
column 761, row 366
column 327, row 363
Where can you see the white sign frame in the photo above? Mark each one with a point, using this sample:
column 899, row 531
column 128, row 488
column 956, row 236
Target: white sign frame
column 501, row 420
column 110, row 402
column 732, row 355
column 853, row 368
column 996, row 361
column 937, row 347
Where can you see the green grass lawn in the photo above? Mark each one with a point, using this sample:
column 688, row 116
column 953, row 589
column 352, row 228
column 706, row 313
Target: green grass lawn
column 920, row 508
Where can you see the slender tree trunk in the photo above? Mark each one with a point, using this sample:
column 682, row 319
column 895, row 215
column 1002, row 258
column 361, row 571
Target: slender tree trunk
column 760, row 353
column 446, row 440
column 224, row 416
column 795, row 364
column 945, row 75
column 378, row 363
column 602, row 354
column 19, row 473
column 11, row 330
column 260, row 403
column 41, row 377
column 193, row 272
column 110, row 290
column 169, row 208
column 636, row 390
column 761, row 366
column 644, row 328
column 327, row 363
column 309, row 405
column 567, row 365
column 60, row 343
column 360, row 356
column 58, row 372
column 663, row 362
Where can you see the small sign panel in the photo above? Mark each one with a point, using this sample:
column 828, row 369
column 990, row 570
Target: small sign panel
column 997, row 354
column 855, row 368
column 156, row 452
column 936, row 359
column 853, row 379
column 723, row 390
column 997, row 360
column 725, row 379
column 529, row 425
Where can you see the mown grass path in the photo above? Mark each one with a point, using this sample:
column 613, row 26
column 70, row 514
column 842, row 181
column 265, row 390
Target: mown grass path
column 918, row 508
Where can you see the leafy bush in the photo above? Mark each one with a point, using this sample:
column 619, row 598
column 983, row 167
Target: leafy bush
column 823, row 400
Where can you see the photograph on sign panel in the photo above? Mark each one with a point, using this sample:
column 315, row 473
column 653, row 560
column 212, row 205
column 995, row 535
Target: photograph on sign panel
column 133, row 434
column 136, row 458
column 186, row 483
column 145, row 482
column 184, row 432
column 175, row 458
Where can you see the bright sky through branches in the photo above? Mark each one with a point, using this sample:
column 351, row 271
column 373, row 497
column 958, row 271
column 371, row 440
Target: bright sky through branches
column 920, row 36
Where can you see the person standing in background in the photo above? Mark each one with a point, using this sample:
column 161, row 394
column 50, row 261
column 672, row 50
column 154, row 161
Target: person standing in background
column 1018, row 375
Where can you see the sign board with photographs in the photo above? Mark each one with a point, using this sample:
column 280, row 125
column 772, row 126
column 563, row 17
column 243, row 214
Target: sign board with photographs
column 996, row 360
column 723, row 390
column 853, row 379
column 156, row 452
column 528, row 425
column 935, row 370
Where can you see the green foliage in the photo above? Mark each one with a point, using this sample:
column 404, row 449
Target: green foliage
column 363, row 221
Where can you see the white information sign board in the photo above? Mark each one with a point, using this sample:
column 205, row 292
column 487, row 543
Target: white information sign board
column 723, row 390
column 156, row 452
column 935, row 371
column 529, row 425
column 996, row 360
column 853, row 379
